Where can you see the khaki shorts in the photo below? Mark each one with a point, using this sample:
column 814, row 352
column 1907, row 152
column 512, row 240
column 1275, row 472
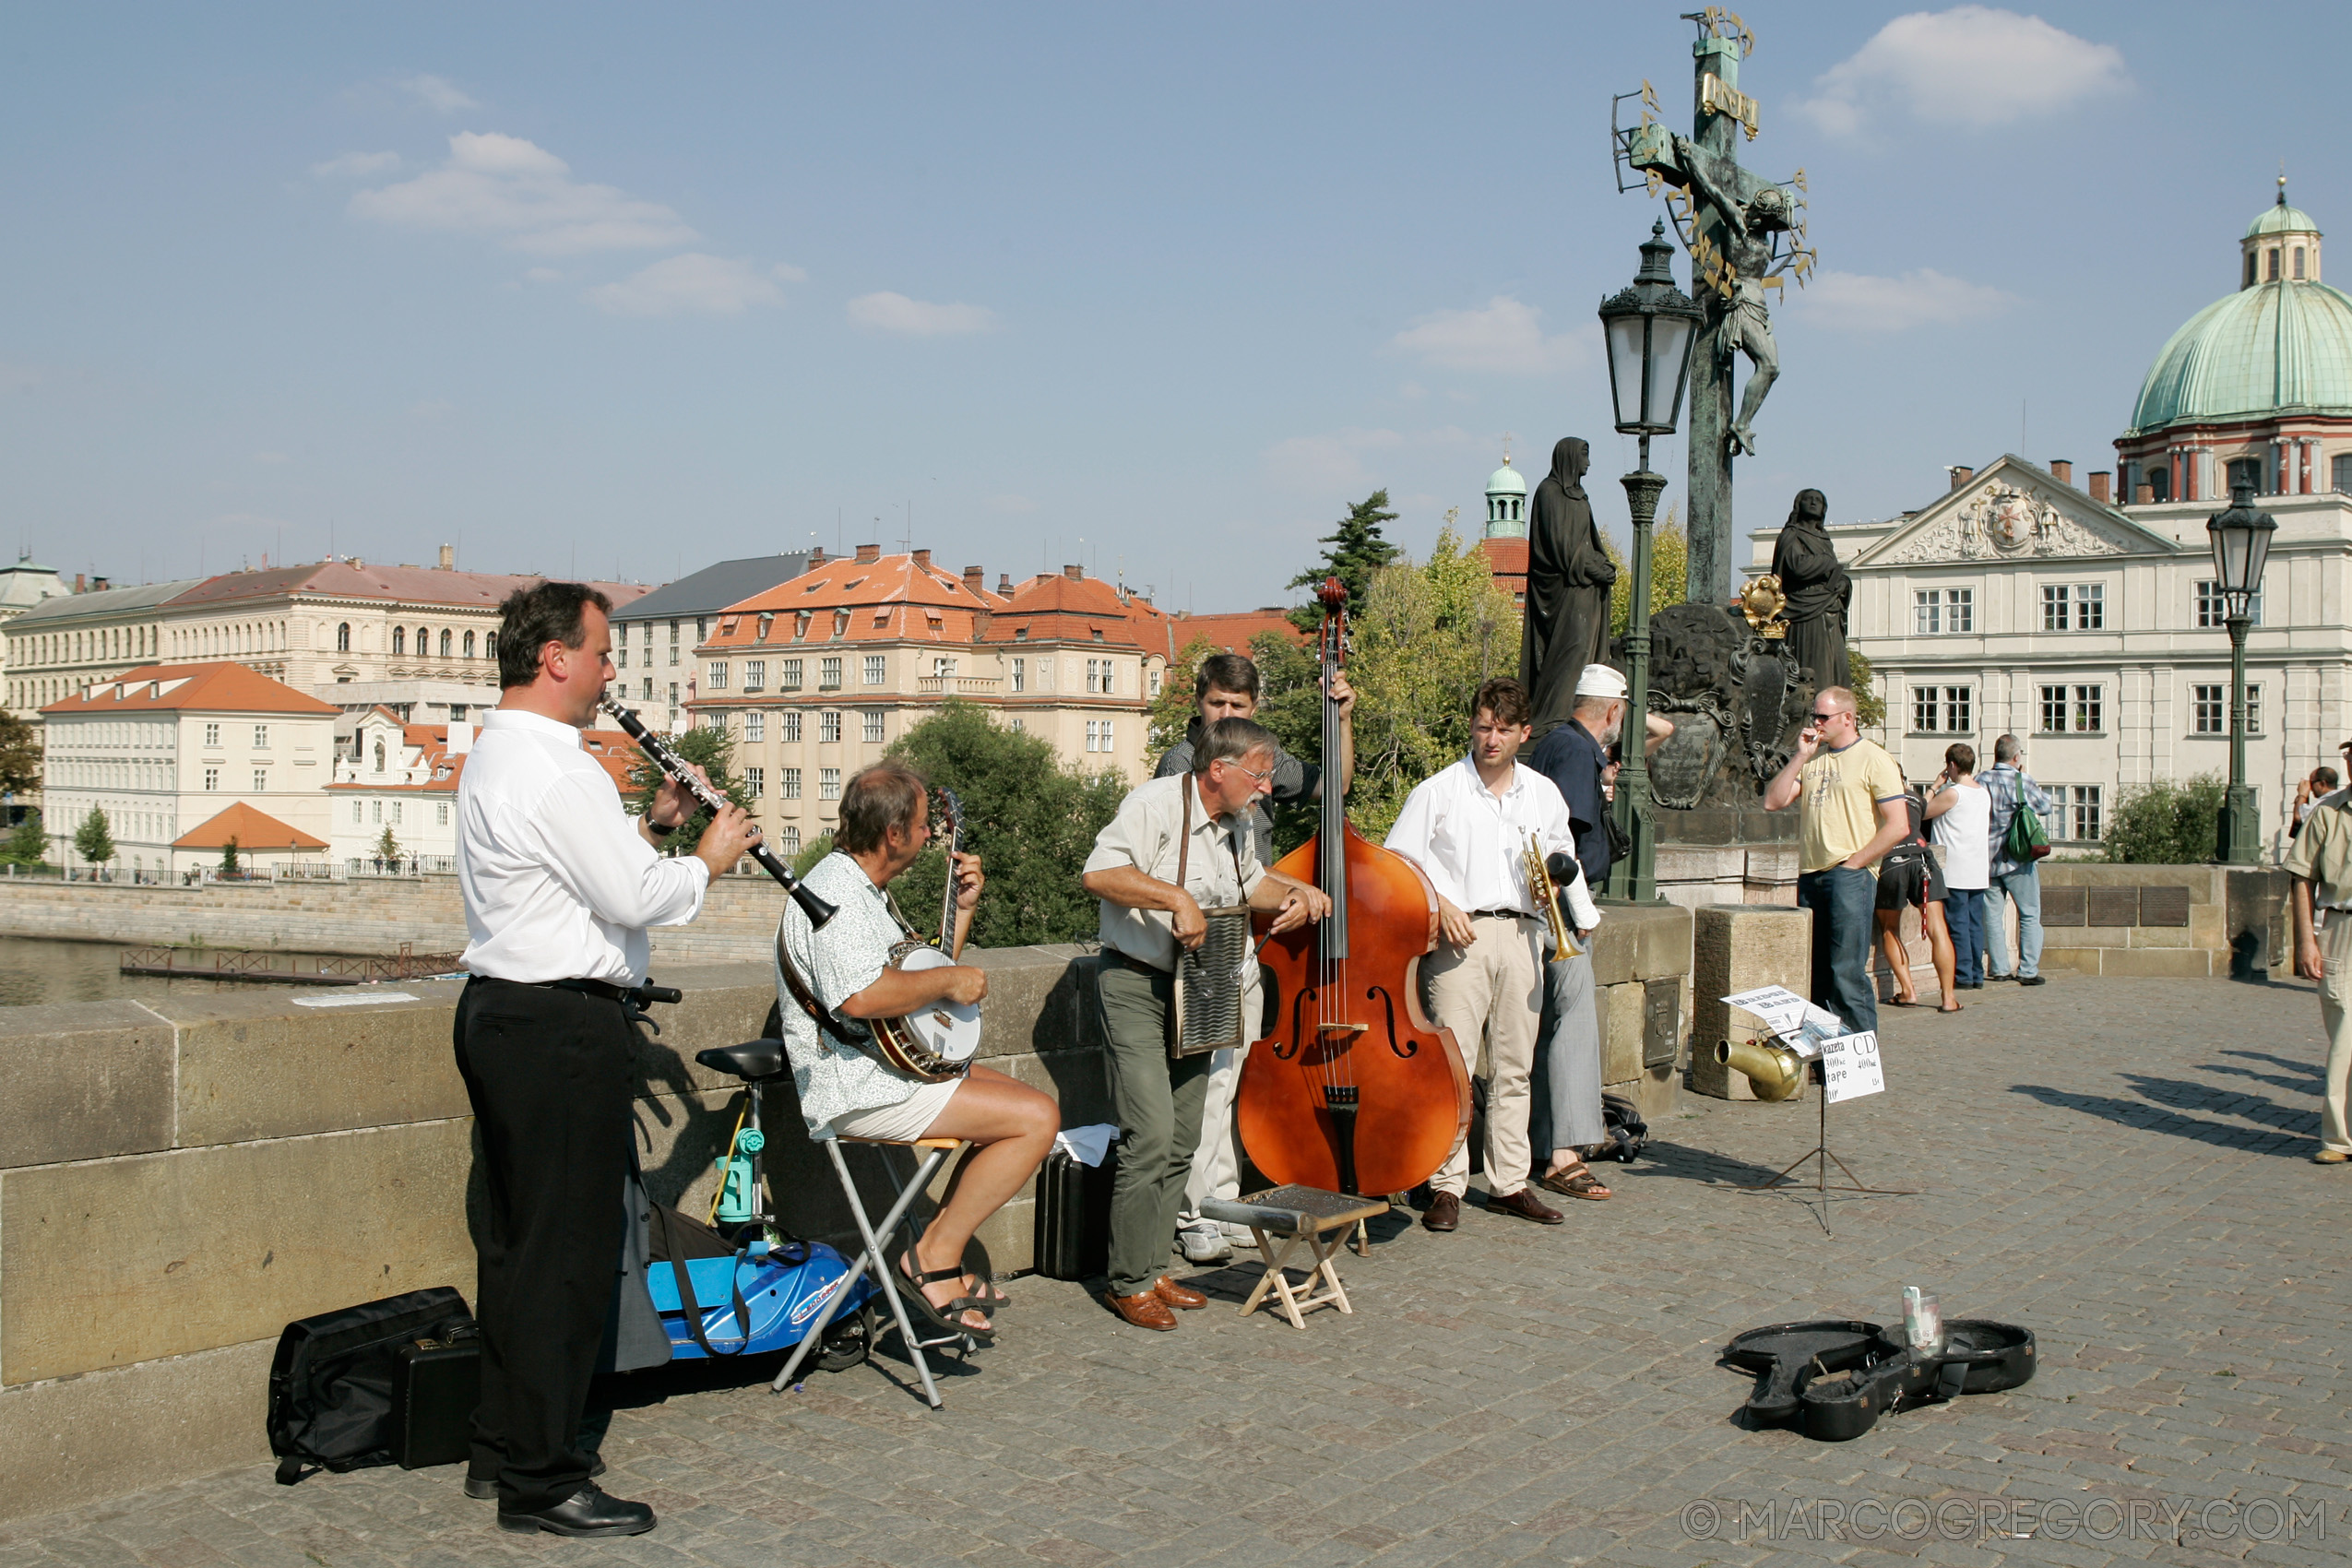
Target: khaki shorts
column 901, row 1124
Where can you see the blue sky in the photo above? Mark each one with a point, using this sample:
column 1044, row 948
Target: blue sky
column 628, row 289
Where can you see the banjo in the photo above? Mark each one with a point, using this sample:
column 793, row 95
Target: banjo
column 939, row 1042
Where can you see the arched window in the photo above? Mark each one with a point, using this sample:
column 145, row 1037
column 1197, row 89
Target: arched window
column 2273, row 254
column 470, row 645
column 2298, row 263
column 424, row 643
column 490, row 645
column 445, row 642
column 343, row 637
column 399, row 641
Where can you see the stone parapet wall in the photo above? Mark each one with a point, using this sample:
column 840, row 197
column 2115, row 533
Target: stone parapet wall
column 2186, row 921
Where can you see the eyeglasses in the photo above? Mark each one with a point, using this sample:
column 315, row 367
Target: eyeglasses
column 1833, row 713
column 1253, row 773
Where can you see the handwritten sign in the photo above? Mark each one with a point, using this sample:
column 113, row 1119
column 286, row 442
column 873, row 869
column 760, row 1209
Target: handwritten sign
column 1850, row 1067
column 1800, row 1024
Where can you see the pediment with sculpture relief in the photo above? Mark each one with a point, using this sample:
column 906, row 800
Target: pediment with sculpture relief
column 2013, row 512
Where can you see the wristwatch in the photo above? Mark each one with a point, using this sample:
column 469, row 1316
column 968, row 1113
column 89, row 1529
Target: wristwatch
column 658, row 830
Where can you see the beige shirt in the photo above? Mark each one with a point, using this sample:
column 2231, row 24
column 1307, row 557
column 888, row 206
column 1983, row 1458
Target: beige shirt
column 1145, row 834
column 1841, row 793
column 2322, row 853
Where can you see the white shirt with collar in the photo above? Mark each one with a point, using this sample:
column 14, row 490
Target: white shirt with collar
column 1219, row 868
column 558, row 882
column 1473, row 844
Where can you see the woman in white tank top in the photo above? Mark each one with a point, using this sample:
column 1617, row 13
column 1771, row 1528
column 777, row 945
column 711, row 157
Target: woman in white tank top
column 1962, row 810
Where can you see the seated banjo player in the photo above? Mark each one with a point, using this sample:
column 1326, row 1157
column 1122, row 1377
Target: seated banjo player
column 848, row 1090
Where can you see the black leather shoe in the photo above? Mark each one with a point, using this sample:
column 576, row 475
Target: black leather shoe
column 2033, row 980
column 484, row 1488
column 587, row 1512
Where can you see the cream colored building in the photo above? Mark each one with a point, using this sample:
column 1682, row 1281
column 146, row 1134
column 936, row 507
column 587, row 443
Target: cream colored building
column 165, row 750
column 65, row 642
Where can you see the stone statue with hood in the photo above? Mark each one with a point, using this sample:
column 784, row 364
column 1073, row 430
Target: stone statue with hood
column 1569, row 576
column 1818, row 591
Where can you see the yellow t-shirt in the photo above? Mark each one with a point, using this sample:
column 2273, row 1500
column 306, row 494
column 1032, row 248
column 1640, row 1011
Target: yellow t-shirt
column 1839, row 796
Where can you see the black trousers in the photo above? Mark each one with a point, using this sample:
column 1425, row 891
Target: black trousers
column 550, row 1074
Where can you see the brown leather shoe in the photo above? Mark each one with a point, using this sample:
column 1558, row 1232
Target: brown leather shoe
column 1181, row 1297
column 1444, row 1212
column 1526, row 1205
column 1146, row 1310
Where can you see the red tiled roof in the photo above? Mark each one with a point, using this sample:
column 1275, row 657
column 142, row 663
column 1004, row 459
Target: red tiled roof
column 203, row 688
column 250, row 829
column 1229, row 632
column 406, row 585
column 1058, row 607
column 1505, row 557
column 892, row 599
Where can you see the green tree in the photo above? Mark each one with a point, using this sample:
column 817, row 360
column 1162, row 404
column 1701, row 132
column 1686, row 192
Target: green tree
column 1357, row 551
column 1172, row 711
column 816, row 850
column 19, row 756
column 1669, row 571
column 1428, row 635
column 1870, row 707
column 713, row 748
column 387, row 848
column 94, row 840
column 2165, row 822
column 228, row 857
column 1030, row 820
column 27, row 842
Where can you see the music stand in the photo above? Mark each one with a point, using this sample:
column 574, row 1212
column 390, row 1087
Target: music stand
column 1823, row 1158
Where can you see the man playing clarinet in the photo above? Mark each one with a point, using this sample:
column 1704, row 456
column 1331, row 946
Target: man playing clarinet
column 1467, row 829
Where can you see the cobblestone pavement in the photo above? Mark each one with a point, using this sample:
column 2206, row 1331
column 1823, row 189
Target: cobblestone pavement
column 2118, row 1164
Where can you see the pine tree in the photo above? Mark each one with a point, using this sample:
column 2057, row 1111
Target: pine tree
column 94, row 840
column 27, row 842
column 387, row 849
column 228, row 857
column 713, row 749
column 1357, row 551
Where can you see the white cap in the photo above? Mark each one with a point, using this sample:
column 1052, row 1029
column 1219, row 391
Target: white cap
column 1600, row 680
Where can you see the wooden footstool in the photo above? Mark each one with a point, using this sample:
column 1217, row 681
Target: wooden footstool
column 1297, row 1215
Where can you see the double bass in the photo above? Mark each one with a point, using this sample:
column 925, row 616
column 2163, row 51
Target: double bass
column 1356, row 1090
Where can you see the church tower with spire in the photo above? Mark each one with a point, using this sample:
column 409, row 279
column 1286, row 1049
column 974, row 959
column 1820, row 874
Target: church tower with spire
column 1506, row 501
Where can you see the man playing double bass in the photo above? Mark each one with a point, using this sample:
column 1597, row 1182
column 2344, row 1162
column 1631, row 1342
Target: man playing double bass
column 1151, row 912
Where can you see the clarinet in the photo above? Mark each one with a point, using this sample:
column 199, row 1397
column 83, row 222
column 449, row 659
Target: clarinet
column 669, row 762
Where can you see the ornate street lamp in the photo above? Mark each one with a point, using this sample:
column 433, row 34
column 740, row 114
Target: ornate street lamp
column 2240, row 545
column 1650, row 327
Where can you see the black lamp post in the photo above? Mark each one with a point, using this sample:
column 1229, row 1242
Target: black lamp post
column 1650, row 327
column 2241, row 539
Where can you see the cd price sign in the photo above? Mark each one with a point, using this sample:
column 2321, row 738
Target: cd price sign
column 1850, row 1067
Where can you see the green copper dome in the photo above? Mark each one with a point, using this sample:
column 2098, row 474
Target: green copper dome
column 1505, row 481
column 2281, row 345
column 2281, row 219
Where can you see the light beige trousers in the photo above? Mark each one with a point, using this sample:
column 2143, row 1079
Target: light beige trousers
column 1494, row 989
column 2335, row 1015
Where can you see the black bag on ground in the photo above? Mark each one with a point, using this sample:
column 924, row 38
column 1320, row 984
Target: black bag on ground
column 332, row 1380
column 1627, row 1131
column 1074, row 1215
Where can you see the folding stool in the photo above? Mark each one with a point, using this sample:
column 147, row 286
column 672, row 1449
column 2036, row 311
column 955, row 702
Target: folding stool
column 932, row 1153
column 1321, row 1221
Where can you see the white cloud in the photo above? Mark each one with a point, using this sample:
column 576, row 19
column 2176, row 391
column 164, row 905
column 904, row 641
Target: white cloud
column 437, row 93
column 1856, row 302
column 356, row 165
column 1504, row 336
column 888, row 312
column 693, row 284
column 1973, row 65
column 523, row 194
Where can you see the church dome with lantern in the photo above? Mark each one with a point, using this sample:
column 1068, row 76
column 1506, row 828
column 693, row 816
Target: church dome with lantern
column 1507, row 502
column 2257, row 386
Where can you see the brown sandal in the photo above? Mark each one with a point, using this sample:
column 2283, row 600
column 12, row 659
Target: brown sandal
column 1575, row 1180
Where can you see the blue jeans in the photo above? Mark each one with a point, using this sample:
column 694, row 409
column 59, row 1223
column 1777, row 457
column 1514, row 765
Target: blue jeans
column 1844, row 915
column 1964, row 913
column 2024, row 885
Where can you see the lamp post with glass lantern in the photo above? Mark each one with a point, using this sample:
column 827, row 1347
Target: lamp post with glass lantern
column 2241, row 539
column 1650, row 326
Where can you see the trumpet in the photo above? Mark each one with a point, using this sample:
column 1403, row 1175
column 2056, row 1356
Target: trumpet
column 1563, row 940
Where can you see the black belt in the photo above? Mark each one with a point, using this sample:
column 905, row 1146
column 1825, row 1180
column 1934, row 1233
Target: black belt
column 1500, row 915
column 1128, row 961
column 604, row 988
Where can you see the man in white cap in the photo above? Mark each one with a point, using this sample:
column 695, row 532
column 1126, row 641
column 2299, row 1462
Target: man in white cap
column 1575, row 756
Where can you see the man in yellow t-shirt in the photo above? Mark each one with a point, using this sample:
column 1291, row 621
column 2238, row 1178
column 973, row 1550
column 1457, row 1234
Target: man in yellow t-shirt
column 1854, row 813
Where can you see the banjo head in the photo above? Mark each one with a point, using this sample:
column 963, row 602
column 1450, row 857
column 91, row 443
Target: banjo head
column 950, row 1031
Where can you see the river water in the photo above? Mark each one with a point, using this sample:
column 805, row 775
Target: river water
column 36, row 969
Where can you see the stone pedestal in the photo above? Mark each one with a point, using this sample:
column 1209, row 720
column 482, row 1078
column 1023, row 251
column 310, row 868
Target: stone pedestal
column 1642, row 989
column 1738, row 947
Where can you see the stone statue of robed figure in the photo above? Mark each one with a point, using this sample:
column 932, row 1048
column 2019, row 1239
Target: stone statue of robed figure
column 1569, row 576
column 1818, row 591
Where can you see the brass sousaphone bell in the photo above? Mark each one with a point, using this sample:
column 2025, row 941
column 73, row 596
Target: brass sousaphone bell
column 1774, row 1071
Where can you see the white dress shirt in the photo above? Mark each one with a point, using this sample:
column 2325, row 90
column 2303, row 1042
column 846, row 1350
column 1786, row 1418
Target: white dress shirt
column 1473, row 844
column 559, row 885
column 1147, row 834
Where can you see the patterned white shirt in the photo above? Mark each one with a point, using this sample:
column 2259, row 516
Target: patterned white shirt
column 833, row 1073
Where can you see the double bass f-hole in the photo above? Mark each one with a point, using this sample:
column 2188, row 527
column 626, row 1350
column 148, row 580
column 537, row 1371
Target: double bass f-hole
column 1388, row 1004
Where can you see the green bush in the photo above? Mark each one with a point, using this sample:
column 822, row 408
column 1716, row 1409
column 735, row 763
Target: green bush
column 2165, row 822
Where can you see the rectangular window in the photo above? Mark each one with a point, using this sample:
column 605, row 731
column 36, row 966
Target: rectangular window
column 440, row 814
column 791, row 676
column 754, row 782
column 673, row 638
column 1020, row 727
column 2209, row 710
column 375, row 811
column 2213, row 605
column 395, row 814
column 648, row 690
column 1938, row 612
column 2073, row 710
column 942, row 665
column 754, row 674
column 261, row 737
column 2081, row 802
column 792, row 784
column 874, row 666
column 2253, row 708
column 2340, row 466
column 620, row 656
column 828, row 783
column 1094, row 735
column 718, row 677
column 261, row 780
column 1944, row 711
column 828, row 727
column 2089, row 710
column 828, row 673
column 874, row 727
column 211, row 779
column 212, row 735
column 1109, row 744
column 674, row 656
column 2076, row 607
column 755, row 729
column 1020, row 675
column 356, row 814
